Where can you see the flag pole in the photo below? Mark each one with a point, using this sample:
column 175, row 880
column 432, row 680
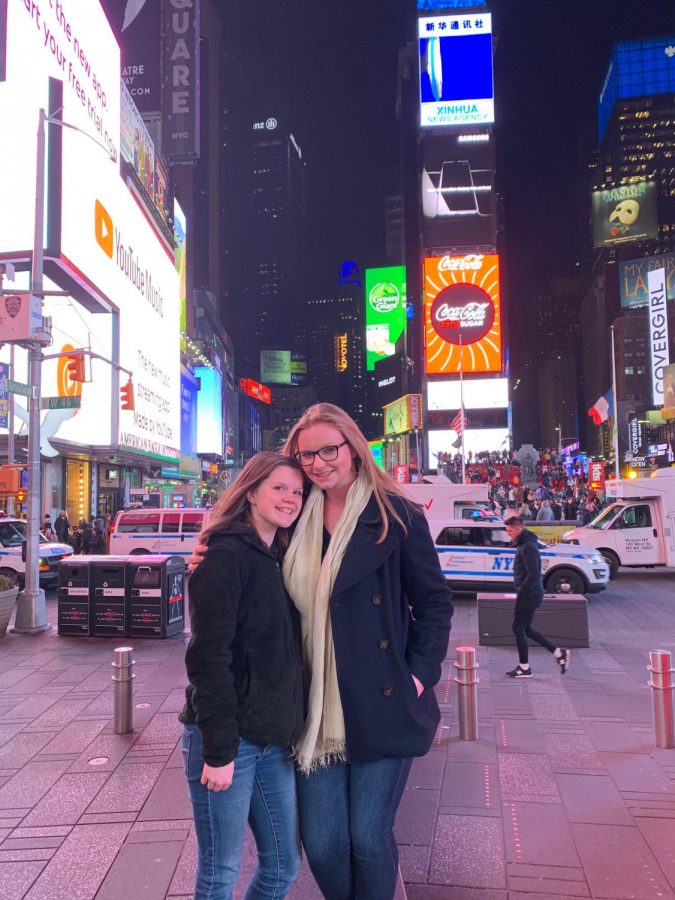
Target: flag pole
column 615, row 430
column 461, row 407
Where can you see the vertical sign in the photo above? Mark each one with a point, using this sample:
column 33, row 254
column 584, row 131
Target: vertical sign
column 180, row 79
column 3, row 39
column 658, row 331
column 385, row 312
column 180, row 251
column 4, row 392
column 596, row 475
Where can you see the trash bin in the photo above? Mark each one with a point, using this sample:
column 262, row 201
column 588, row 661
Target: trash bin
column 563, row 618
column 156, row 586
column 74, row 596
column 108, row 593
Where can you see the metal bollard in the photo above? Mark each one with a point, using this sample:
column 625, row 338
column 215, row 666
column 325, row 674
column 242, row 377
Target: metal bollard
column 124, row 690
column 467, row 691
column 661, row 683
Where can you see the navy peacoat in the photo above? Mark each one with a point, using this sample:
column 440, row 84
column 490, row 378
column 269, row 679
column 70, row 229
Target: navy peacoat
column 390, row 613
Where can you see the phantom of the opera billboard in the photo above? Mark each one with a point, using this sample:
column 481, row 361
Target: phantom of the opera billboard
column 462, row 314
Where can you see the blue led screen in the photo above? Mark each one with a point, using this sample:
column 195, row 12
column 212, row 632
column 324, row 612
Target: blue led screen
column 209, row 411
column 636, row 69
column 449, row 4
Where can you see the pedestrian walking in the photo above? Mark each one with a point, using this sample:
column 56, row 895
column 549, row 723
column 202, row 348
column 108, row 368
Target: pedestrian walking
column 244, row 703
column 47, row 527
column 530, row 592
column 75, row 540
column 62, row 527
column 96, row 543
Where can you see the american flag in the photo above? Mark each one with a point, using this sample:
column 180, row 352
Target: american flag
column 460, row 422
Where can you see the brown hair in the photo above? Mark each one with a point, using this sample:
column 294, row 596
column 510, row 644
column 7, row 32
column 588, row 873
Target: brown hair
column 233, row 506
column 383, row 484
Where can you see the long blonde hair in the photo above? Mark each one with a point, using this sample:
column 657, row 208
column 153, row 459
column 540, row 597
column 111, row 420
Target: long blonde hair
column 383, row 484
column 233, row 506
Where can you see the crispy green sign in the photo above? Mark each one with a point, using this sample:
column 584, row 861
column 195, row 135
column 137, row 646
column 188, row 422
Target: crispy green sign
column 385, row 312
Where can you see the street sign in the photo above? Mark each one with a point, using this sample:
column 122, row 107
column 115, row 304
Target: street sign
column 18, row 387
column 60, row 403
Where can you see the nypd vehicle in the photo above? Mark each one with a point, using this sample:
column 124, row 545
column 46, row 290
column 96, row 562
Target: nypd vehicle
column 12, row 566
column 477, row 555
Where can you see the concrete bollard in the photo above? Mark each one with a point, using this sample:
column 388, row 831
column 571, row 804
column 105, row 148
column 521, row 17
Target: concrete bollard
column 124, row 690
column 466, row 680
column 661, row 683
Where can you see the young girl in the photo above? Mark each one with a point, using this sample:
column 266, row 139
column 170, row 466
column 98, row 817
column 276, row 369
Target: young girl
column 244, row 702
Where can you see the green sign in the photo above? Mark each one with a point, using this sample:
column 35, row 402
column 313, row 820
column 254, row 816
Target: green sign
column 385, row 312
column 17, row 387
column 60, row 403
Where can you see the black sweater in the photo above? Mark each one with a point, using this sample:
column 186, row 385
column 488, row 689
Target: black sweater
column 244, row 657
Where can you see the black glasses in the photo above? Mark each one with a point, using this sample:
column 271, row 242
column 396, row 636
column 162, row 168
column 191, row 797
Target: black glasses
column 327, row 454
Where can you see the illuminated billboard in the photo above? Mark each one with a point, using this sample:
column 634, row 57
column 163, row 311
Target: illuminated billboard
column 385, row 312
column 448, row 4
column 633, row 278
column 476, row 441
column 481, row 393
column 137, row 26
column 180, row 250
column 275, row 366
column 458, row 191
column 456, row 77
column 209, row 411
column 625, row 213
column 462, row 314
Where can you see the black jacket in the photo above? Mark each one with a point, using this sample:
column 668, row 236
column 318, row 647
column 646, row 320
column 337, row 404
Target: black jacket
column 527, row 567
column 244, row 659
column 390, row 613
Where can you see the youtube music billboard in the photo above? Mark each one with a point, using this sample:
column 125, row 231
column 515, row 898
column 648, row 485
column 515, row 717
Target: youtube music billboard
column 458, row 192
column 462, row 314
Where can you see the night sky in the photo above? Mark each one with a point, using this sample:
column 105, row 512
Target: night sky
column 333, row 67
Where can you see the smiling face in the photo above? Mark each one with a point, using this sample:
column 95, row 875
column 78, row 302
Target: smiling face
column 276, row 502
column 334, row 474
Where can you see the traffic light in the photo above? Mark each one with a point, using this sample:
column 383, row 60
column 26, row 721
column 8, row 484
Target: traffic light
column 127, row 392
column 75, row 367
column 21, row 496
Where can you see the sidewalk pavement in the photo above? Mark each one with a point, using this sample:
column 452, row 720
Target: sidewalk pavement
column 562, row 796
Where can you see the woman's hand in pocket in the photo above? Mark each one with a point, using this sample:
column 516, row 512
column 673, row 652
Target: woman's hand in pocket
column 218, row 778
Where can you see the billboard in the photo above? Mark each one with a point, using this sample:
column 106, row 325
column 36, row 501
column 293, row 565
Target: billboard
column 625, row 213
column 137, row 27
column 462, row 314
column 209, row 411
column 659, row 352
column 180, row 79
column 298, row 368
column 3, row 39
column 476, row 441
column 403, row 414
column 275, row 366
column 136, row 145
column 255, row 390
column 385, row 312
column 633, row 278
column 448, row 4
column 480, row 393
column 456, row 77
column 668, row 411
column 180, row 238
column 189, row 394
column 458, row 191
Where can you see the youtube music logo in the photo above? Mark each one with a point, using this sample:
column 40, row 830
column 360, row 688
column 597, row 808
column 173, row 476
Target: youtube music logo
column 103, row 229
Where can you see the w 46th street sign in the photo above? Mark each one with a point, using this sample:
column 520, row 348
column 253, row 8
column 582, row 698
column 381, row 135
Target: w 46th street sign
column 60, row 403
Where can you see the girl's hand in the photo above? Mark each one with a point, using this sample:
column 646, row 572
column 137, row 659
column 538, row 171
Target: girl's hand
column 197, row 557
column 218, row 778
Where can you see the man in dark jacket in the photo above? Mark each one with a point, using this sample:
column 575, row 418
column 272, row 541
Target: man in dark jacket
column 530, row 588
column 62, row 527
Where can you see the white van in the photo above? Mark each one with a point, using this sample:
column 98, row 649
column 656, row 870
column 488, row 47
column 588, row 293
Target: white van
column 138, row 532
column 440, row 497
column 12, row 566
column 638, row 529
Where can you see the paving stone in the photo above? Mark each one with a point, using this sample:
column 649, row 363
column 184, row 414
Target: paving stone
column 17, row 877
column 482, row 750
column 168, row 798
column 615, row 737
column 48, row 831
column 593, row 704
column 468, row 850
column 637, row 773
column 470, row 785
column 126, row 790
column 112, row 746
column 75, row 673
column 22, row 748
column 618, row 863
column 8, row 730
column 512, row 697
column 574, row 751
column 519, row 734
column 538, row 834
column 414, row 862
column 433, row 892
column 634, row 710
column 416, row 819
column 32, row 707
column 150, row 837
column 660, row 836
column 27, row 683
column 174, row 702
column 25, row 855
column 546, row 888
column 67, row 800
column 426, row 772
column 141, row 870
column 75, row 737
column 553, row 707
column 526, row 774
column 593, row 798
column 26, row 843
column 30, row 784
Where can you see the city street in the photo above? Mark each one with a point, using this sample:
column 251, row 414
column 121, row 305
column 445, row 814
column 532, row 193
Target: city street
column 563, row 795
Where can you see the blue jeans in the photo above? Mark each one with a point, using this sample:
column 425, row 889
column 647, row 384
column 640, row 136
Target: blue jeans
column 262, row 793
column 347, row 814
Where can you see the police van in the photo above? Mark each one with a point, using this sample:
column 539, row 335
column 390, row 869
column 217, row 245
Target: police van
column 12, row 566
column 173, row 532
column 478, row 556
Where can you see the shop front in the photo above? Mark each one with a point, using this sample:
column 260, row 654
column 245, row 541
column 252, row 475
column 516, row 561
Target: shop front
column 401, row 445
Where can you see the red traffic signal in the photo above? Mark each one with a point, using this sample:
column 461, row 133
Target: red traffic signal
column 75, row 367
column 127, row 392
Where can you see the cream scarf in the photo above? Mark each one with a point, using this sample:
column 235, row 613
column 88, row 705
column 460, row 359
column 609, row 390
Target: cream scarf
column 310, row 583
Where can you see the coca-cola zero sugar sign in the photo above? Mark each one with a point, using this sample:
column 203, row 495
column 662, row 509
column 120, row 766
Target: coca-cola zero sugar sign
column 462, row 313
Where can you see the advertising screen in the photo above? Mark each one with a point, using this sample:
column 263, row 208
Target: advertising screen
column 456, row 79
column 298, row 368
column 476, row 440
column 625, row 213
column 275, row 366
column 458, row 195
column 659, row 345
column 189, row 393
column 209, row 411
column 385, row 312
column 136, row 145
column 462, row 314
column 448, row 4
column 180, row 238
column 483, row 393
column 633, row 278
column 137, row 27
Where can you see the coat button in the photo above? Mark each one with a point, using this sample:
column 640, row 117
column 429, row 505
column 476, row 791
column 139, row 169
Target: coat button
column 383, row 644
column 376, row 600
column 387, row 691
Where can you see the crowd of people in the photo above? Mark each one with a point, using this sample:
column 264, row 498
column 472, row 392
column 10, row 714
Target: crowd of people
column 86, row 537
column 561, row 492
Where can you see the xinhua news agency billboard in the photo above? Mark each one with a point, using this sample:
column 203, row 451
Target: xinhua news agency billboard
column 633, row 278
column 625, row 213
column 462, row 314
column 385, row 312
column 456, row 72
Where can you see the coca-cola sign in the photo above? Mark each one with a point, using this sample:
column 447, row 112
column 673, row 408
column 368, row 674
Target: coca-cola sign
column 462, row 313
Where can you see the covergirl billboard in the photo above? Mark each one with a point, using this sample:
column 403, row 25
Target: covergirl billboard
column 462, row 314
